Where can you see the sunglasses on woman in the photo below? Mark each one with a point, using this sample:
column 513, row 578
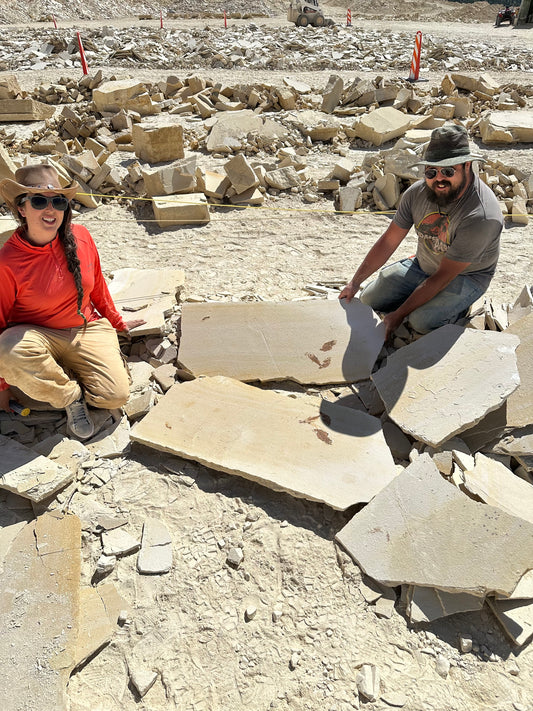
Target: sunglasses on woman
column 447, row 172
column 39, row 202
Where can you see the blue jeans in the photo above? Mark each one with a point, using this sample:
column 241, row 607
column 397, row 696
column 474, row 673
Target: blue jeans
column 397, row 282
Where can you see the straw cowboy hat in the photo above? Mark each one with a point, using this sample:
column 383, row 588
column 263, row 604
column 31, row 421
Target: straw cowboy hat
column 34, row 179
column 447, row 146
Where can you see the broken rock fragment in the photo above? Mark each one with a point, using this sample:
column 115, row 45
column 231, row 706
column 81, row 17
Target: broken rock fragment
column 474, row 548
column 28, row 474
column 447, row 381
column 496, row 485
column 148, row 294
column 155, row 555
column 323, row 452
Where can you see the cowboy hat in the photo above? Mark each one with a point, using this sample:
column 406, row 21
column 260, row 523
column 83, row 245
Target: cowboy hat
column 447, row 146
column 34, row 179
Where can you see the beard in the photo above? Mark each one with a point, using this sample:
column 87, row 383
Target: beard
column 444, row 199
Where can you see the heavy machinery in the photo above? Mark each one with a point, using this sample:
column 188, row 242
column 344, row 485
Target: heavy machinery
column 307, row 12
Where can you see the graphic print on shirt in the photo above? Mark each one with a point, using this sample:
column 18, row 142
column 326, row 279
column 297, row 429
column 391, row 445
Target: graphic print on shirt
column 433, row 230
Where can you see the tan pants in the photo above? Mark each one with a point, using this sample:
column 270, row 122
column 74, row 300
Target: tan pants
column 59, row 365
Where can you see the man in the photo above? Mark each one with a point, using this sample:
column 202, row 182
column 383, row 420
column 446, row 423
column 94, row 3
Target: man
column 458, row 222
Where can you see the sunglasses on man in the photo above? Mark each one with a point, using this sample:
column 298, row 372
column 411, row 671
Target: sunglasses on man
column 447, row 172
column 40, row 202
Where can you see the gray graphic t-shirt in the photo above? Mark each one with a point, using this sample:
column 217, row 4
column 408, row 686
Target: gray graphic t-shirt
column 467, row 230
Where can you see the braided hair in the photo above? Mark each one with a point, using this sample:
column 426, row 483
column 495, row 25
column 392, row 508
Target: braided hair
column 68, row 242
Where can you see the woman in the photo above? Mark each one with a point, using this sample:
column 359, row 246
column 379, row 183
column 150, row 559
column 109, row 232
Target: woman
column 58, row 323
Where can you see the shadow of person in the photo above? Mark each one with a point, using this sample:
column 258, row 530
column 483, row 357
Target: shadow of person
column 402, row 367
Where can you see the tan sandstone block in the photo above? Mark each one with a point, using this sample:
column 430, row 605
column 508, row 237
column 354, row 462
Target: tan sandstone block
column 189, row 209
column 156, row 142
column 322, row 452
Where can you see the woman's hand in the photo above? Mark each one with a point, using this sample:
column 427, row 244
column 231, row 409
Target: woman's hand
column 130, row 325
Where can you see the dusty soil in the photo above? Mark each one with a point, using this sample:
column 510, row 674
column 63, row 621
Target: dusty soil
column 189, row 625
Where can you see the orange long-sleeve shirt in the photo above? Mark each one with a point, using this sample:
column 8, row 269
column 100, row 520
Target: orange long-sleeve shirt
column 36, row 286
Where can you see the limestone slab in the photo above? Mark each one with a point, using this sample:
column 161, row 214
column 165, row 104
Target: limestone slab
column 524, row 589
column 189, row 209
column 39, row 589
column 507, row 127
column 315, row 341
column 148, row 294
column 178, row 177
column 28, row 474
column 496, row 485
column 382, row 125
column 230, row 130
column 113, row 95
column 422, row 530
column 428, row 604
column 516, row 618
column 447, row 381
column 520, row 403
column 156, row 142
column 155, row 555
column 119, row 542
column 318, row 451
column 24, row 110
column 99, row 611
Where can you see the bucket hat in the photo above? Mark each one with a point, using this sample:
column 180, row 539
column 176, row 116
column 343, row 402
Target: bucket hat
column 447, row 146
column 33, row 179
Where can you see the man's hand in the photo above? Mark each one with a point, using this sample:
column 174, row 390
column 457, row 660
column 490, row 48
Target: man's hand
column 349, row 291
column 391, row 321
column 5, row 397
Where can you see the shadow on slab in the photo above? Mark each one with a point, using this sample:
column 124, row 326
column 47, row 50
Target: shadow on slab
column 410, row 357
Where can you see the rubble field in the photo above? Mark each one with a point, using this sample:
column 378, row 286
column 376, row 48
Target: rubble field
column 288, row 513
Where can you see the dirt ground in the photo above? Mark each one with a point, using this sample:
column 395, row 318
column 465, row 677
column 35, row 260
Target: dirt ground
column 189, row 625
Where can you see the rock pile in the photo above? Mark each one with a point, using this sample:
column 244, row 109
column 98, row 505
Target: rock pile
column 253, row 47
column 273, row 132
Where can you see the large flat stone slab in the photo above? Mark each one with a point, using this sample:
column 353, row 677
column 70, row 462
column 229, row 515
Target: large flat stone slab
column 520, row 403
column 422, row 530
column 495, row 484
column 148, row 294
column 315, row 341
column 447, row 381
column 39, row 603
column 325, row 452
column 28, row 474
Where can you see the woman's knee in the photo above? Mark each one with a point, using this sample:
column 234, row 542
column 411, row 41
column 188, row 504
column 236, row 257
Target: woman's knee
column 109, row 394
column 10, row 343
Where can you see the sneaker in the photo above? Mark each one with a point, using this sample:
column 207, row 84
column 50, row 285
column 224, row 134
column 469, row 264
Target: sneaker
column 78, row 420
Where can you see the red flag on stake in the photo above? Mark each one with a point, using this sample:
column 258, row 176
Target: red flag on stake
column 54, row 21
column 225, row 20
column 161, row 18
column 82, row 55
